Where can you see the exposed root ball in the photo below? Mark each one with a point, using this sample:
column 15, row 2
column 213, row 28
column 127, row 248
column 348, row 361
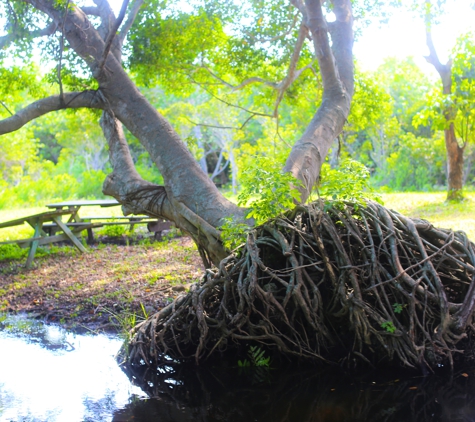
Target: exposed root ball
column 327, row 283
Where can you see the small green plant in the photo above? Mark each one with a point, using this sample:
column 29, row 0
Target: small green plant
column 350, row 183
column 388, row 326
column 233, row 233
column 256, row 358
column 244, row 363
column 266, row 190
column 144, row 311
column 398, row 307
column 125, row 321
column 113, row 230
column 12, row 251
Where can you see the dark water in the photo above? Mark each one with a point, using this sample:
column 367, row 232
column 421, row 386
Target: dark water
column 47, row 374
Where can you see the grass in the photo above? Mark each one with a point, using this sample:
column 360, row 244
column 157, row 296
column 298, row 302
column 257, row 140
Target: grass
column 434, row 208
column 86, row 288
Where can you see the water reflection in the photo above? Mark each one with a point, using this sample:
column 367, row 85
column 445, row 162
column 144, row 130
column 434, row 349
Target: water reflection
column 48, row 374
column 302, row 395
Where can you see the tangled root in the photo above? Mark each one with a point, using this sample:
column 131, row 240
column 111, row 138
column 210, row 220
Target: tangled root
column 328, row 283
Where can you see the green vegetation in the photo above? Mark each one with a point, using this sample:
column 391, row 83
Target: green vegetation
column 256, row 357
column 350, row 183
column 388, row 326
column 395, row 127
column 434, row 208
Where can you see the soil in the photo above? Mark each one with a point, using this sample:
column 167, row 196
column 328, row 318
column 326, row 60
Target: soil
column 109, row 288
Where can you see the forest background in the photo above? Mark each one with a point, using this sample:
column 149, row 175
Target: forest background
column 396, row 125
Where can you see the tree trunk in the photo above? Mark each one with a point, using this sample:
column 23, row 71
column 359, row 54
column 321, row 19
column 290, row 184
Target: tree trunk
column 336, row 67
column 454, row 151
column 189, row 197
column 454, row 165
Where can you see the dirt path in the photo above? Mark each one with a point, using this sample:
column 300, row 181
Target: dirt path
column 103, row 289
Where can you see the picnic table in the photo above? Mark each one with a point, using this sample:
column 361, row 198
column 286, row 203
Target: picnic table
column 153, row 225
column 49, row 227
column 41, row 237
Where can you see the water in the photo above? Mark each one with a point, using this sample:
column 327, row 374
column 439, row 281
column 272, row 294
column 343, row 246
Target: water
column 50, row 375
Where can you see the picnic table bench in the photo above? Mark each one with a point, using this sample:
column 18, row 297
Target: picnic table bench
column 42, row 237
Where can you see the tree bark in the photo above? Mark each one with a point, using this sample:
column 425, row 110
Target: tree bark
column 454, row 165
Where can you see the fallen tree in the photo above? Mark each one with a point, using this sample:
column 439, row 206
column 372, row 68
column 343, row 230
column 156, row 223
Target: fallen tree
column 325, row 286
column 329, row 283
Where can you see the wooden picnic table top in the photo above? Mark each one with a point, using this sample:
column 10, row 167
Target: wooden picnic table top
column 43, row 216
column 85, row 203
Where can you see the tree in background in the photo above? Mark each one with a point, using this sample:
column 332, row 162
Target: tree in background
column 452, row 110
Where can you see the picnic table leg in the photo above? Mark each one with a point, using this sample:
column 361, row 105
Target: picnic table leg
column 132, row 224
column 90, row 236
column 34, row 244
column 70, row 234
column 74, row 216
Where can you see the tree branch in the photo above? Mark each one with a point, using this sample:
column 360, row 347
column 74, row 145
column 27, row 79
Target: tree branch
column 91, row 10
column 317, row 25
column 444, row 70
column 88, row 99
column 6, row 40
column 134, row 10
column 254, row 113
column 300, row 6
column 292, row 74
column 341, row 31
column 121, row 161
column 6, row 108
column 217, row 171
column 224, row 127
column 111, row 35
column 244, row 83
column 107, row 16
column 61, row 48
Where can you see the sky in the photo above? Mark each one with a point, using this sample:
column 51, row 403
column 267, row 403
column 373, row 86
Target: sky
column 404, row 36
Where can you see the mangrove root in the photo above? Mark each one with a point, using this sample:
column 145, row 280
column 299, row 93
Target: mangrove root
column 328, row 282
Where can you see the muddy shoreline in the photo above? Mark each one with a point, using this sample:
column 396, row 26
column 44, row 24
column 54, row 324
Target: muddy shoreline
column 112, row 286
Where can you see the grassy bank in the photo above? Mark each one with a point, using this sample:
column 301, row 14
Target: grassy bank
column 102, row 289
column 432, row 207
